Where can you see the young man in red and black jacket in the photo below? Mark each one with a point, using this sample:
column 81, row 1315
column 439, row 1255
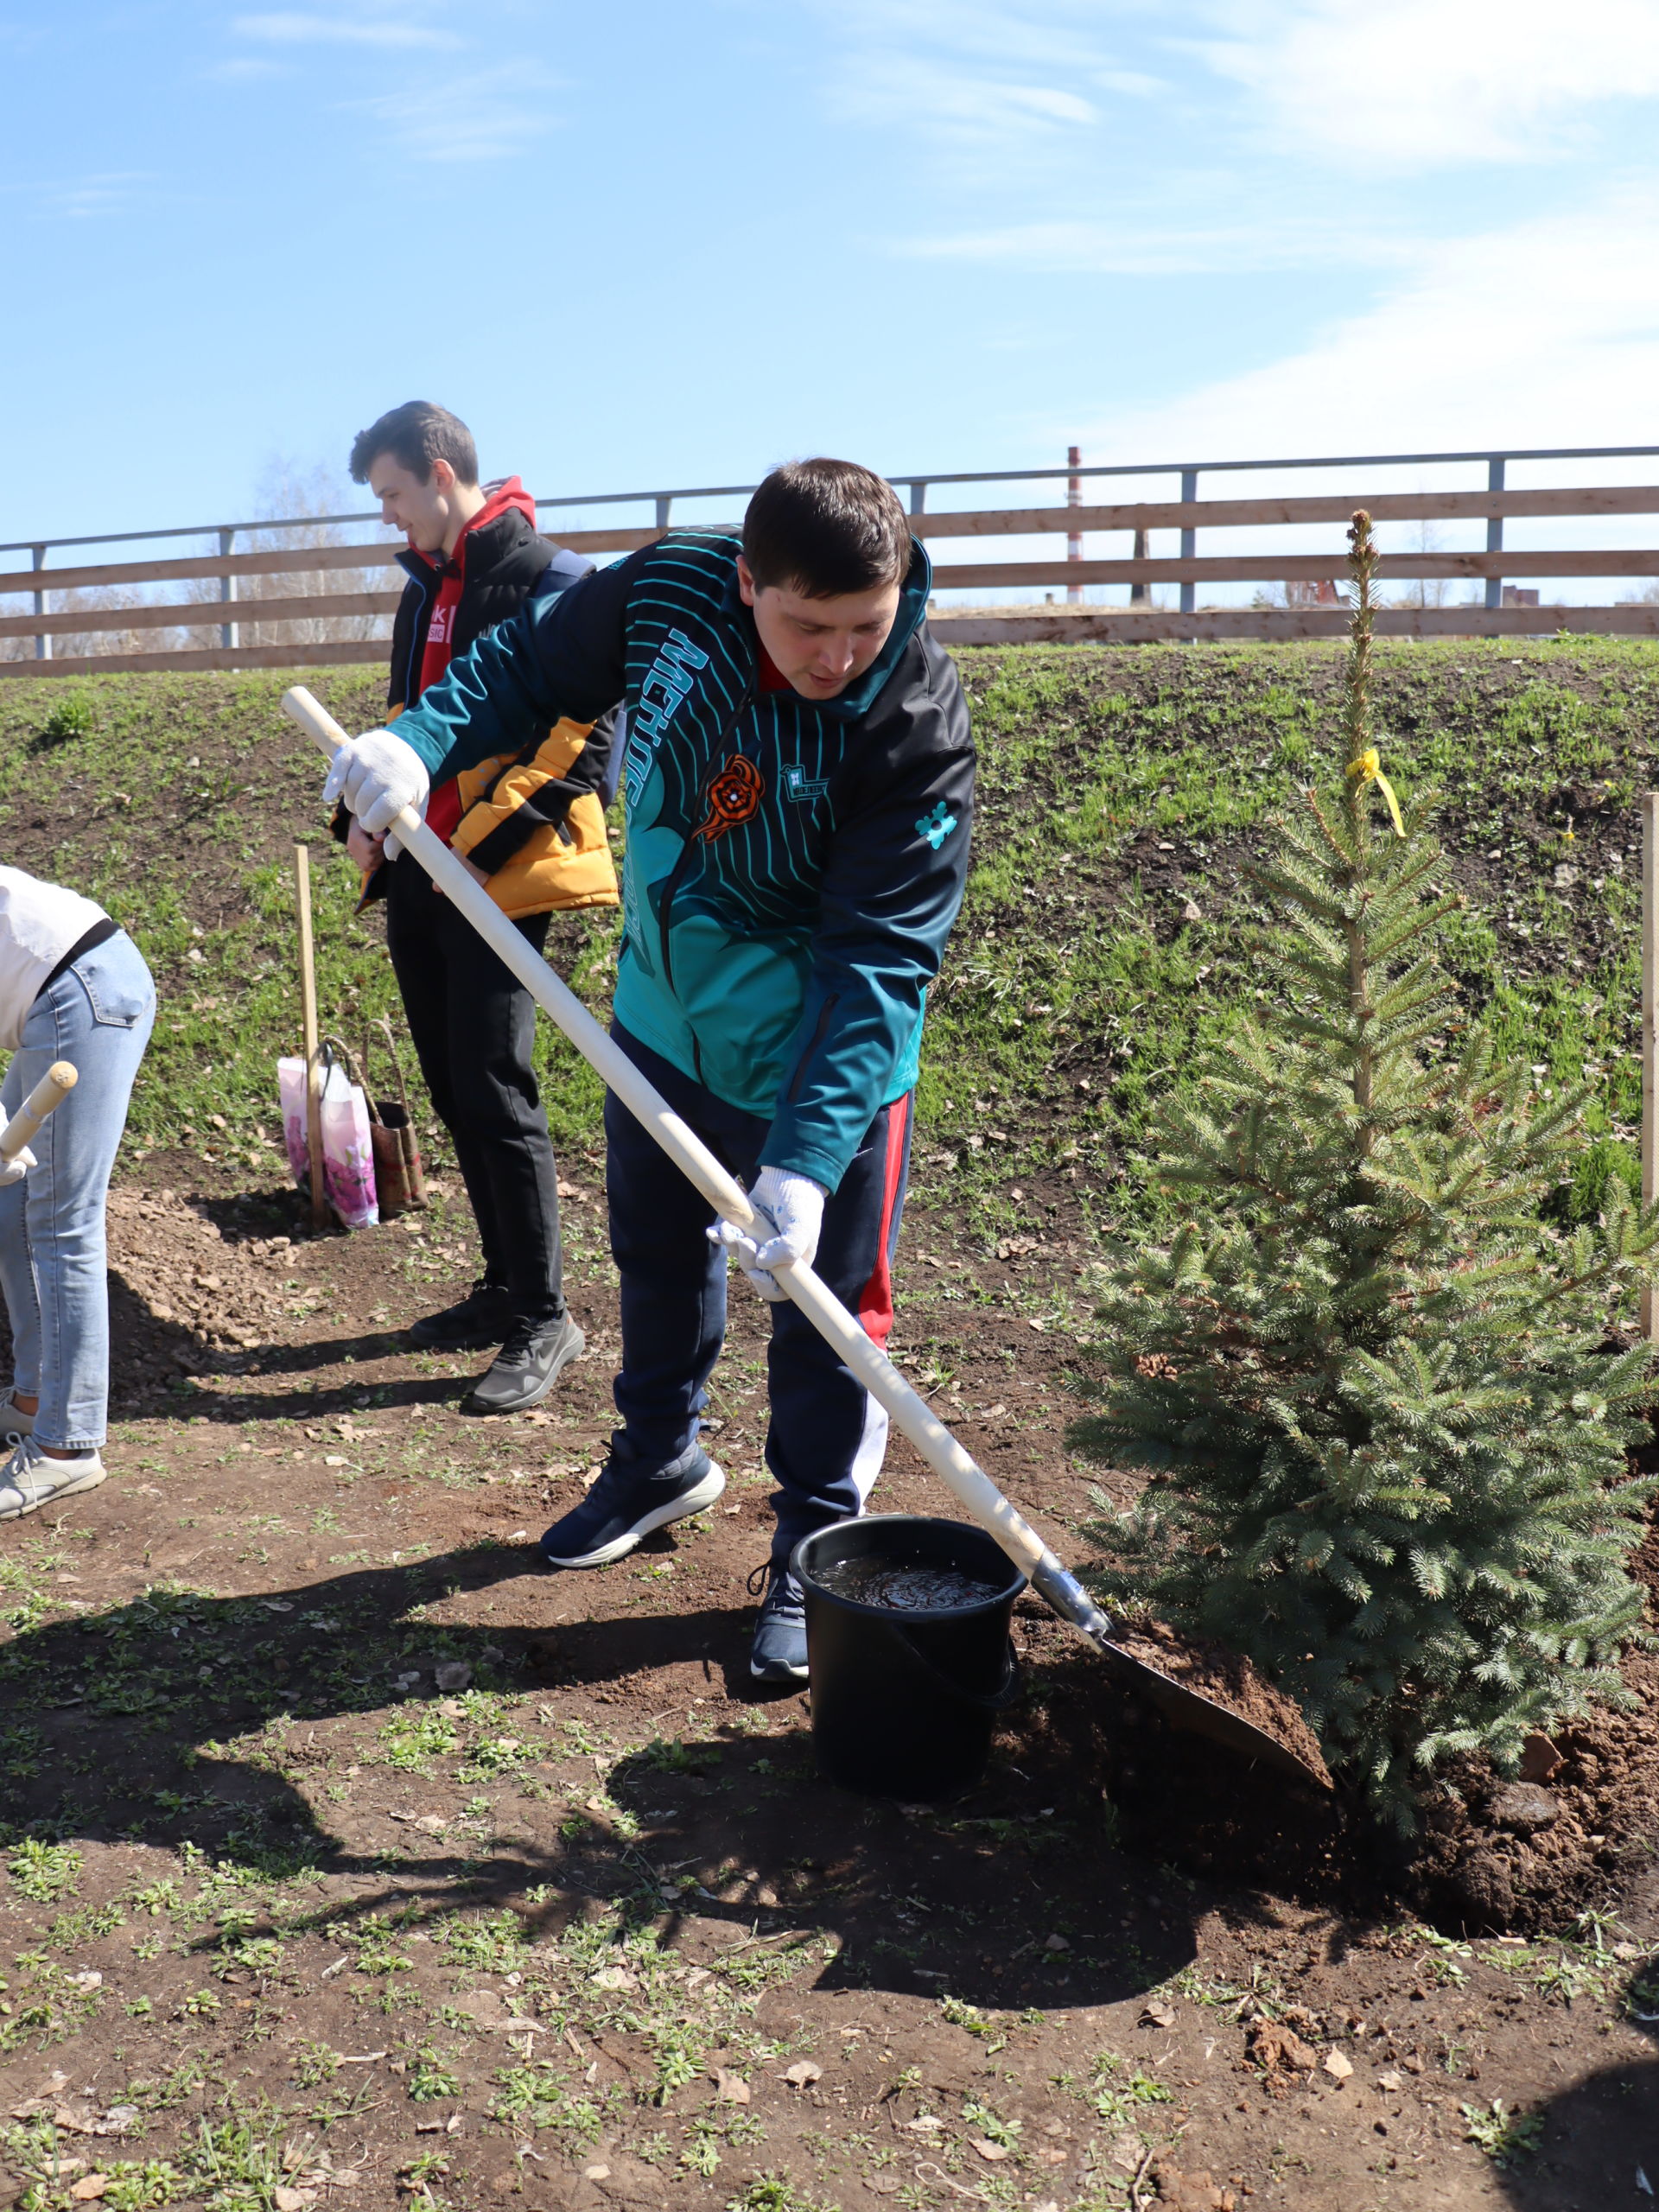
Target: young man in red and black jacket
column 529, row 823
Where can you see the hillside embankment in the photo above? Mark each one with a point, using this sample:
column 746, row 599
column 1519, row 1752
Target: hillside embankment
column 412, row 1873
column 1108, row 925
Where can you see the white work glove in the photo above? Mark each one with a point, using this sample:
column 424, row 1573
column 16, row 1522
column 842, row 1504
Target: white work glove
column 13, row 1171
column 793, row 1206
column 378, row 775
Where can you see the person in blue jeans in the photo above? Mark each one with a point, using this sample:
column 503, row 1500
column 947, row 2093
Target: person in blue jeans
column 797, row 780
column 72, row 987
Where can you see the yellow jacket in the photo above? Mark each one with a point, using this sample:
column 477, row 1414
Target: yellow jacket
column 534, row 825
column 533, row 822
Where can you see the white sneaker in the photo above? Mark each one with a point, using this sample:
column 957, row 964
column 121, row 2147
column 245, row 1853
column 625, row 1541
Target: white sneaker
column 14, row 1422
column 29, row 1479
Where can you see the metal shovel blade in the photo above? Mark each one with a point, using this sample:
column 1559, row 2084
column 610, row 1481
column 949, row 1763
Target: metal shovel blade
column 1188, row 1709
column 1198, row 1715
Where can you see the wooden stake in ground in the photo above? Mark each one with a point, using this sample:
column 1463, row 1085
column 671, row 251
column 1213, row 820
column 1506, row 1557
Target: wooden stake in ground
column 308, row 1021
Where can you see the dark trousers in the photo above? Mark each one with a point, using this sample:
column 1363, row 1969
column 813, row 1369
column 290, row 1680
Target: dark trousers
column 827, row 1435
column 474, row 1027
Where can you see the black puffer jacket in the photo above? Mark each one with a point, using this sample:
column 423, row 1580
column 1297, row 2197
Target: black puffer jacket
column 506, row 560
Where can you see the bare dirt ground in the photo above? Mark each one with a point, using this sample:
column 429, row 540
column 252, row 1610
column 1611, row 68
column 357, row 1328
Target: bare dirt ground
column 355, row 1860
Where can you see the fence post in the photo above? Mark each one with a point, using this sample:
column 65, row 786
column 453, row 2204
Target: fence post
column 1649, row 1029
column 665, row 501
column 1138, row 552
column 1189, row 539
column 1074, row 498
column 919, row 495
column 1494, row 530
column 227, row 631
column 42, row 637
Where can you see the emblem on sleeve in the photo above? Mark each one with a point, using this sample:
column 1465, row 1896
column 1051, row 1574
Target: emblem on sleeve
column 936, row 827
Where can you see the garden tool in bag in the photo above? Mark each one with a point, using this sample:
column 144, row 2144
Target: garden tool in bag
column 398, row 1178
column 348, row 1152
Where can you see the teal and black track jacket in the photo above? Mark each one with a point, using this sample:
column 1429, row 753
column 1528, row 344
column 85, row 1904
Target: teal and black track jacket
column 793, row 867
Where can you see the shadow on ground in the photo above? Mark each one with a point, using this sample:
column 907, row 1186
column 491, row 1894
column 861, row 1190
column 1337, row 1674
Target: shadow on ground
column 1599, row 2145
column 224, row 1724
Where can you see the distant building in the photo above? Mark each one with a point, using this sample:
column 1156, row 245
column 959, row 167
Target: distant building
column 1322, row 593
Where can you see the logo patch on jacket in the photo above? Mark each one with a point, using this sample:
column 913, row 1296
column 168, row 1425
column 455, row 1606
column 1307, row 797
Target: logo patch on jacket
column 936, row 827
column 731, row 795
column 798, row 784
column 668, row 681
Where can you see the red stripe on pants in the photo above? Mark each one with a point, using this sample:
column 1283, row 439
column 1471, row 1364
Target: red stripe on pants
column 875, row 1300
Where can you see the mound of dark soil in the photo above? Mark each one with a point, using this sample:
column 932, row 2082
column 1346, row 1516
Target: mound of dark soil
column 1493, row 1853
column 1526, row 1855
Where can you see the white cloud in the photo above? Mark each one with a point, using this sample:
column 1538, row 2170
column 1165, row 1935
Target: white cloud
column 1133, row 246
column 1434, row 83
column 1042, row 33
column 103, row 193
column 486, row 116
column 292, row 30
column 975, row 75
column 904, row 90
column 1543, row 334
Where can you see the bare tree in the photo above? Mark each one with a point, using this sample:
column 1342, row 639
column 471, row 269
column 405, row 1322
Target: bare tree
column 285, row 491
column 1427, row 591
column 309, row 495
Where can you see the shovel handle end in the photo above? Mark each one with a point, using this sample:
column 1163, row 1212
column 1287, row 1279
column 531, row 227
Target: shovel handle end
column 314, row 718
column 53, row 1087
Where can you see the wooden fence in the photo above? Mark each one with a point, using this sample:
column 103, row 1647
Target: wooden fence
column 995, row 624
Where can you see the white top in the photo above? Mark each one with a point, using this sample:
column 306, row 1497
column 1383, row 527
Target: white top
column 39, row 923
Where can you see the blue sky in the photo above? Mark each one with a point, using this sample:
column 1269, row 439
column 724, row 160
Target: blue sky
column 672, row 241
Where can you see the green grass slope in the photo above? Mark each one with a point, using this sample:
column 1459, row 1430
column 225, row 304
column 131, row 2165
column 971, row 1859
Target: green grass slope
column 1108, row 927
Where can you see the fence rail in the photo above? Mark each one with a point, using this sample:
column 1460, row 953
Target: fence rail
column 124, row 614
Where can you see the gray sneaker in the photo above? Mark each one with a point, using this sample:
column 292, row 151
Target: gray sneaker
column 529, row 1363
column 29, row 1479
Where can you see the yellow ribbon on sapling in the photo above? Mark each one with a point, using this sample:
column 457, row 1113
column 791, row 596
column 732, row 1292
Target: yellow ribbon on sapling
column 1368, row 769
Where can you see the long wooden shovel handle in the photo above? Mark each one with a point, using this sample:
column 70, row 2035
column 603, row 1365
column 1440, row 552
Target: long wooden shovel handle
column 968, row 1482
column 53, row 1087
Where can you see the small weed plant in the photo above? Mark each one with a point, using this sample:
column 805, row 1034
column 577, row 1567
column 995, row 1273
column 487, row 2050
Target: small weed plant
column 1506, row 2137
column 44, row 1871
column 774, row 2192
column 1386, row 1441
column 73, row 716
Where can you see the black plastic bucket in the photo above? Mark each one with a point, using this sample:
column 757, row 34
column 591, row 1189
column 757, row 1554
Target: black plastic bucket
column 904, row 1702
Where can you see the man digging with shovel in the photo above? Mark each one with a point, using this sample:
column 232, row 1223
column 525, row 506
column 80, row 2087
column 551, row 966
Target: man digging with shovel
column 798, row 784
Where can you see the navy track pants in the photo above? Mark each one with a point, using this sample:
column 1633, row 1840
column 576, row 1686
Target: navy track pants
column 827, row 1435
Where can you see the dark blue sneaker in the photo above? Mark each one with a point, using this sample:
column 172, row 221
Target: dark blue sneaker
column 778, row 1653
column 628, row 1502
